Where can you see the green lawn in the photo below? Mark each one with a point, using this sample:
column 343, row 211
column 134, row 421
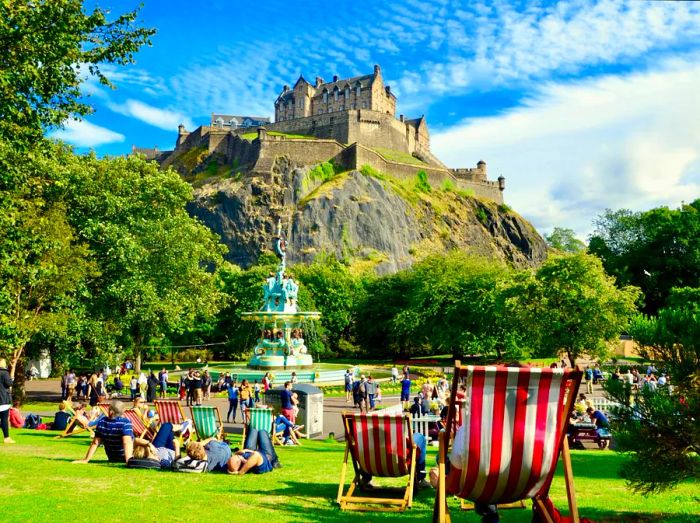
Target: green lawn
column 38, row 483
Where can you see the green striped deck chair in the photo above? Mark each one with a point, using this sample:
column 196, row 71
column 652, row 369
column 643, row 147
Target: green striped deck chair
column 262, row 419
column 207, row 422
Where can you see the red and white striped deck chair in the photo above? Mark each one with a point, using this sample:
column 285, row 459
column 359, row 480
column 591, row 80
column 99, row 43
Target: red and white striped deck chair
column 138, row 424
column 380, row 445
column 513, row 431
column 170, row 411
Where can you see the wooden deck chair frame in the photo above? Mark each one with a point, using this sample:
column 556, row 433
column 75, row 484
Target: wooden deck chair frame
column 519, row 379
column 357, row 449
column 104, row 407
column 218, row 422
column 76, row 430
column 139, row 424
column 275, row 437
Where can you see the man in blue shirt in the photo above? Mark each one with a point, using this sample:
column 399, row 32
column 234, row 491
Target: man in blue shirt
column 405, row 390
column 287, row 406
column 117, row 435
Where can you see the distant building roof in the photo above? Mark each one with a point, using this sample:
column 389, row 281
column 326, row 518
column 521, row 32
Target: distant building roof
column 148, row 153
column 240, row 121
column 365, row 81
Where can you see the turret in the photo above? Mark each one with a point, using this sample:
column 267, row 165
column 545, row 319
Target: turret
column 182, row 135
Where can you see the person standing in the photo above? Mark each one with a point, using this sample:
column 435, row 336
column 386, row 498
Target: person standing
column 70, row 385
column 206, row 384
column 143, row 385
column 394, row 374
column 371, row 391
column 232, row 401
column 64, row 385
column 151, row 387
column 133, row 387
column 163, row 379
column 197, row 384
column 348, row 385
column 244, row 400
column 287, row 406
column 5, row 400
column 405, row 391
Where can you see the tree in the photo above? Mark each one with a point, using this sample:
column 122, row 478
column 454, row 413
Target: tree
column 156, row 263
column 334, row 291
column 49, row 49
column 564, row 240
column 43, row 265
column 662, row 425
column 655, row 250
column 572, row 305
column 455, row 305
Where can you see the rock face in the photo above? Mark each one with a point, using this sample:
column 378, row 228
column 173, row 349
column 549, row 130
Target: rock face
column 373, row 220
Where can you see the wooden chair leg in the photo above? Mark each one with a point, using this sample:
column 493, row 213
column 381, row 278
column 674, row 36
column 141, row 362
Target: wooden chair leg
column 569, row 479
column 343, row 470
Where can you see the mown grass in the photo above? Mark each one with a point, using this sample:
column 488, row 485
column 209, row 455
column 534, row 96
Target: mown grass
column 39, row 483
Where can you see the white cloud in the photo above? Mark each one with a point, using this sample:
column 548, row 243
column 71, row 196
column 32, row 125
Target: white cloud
column 162, row 118
column 85, row 134
column 573, row 150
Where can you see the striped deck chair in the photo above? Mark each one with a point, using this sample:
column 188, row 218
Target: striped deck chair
column 139, row 425
column 207, row 422
column 170, row 411
column 513, row 431
column 262, row 419
column 104, row 407
column 382, row 446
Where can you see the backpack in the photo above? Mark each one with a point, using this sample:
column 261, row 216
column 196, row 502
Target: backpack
column 187, row 464
column 32, row 421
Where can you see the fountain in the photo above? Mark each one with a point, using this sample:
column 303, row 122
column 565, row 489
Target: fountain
column 281, row 341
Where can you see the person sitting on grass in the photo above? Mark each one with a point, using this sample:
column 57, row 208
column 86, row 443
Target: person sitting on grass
column 291, row 431
column 258, row 456
column 16, row 418
column 62, row 418
column 117, row 435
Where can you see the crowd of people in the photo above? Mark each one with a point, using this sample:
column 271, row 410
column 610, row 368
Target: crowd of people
column 115, row 432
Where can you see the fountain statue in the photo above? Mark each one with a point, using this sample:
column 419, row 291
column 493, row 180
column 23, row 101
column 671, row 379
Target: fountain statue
column 281, row 344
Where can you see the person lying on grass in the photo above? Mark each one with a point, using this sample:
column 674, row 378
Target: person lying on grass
column 258, row 456
column 164, row 448
column 216, row 453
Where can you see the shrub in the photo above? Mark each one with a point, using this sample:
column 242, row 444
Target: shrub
column 422, row 184
column 448, row 185
column 481, row 215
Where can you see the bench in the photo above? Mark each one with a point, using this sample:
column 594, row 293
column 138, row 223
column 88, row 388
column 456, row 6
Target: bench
column 580, row 432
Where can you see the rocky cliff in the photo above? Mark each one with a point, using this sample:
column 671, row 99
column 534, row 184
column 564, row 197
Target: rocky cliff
column 366, row 218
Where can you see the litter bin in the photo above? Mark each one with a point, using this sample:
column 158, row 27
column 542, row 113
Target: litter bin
column 310, row 407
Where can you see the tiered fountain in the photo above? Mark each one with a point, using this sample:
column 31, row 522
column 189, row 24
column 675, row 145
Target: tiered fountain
column 281, row 344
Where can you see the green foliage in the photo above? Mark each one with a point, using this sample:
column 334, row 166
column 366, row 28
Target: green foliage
column 504, row 208
column 334, row 292
column 481, row 215
column 564, row 240
column 655, row 250
column 447, row 185
column 422, row 184
column 368, row 170
column 571, row 305
column 324, row 172
column 49, row 49
column 658, row 426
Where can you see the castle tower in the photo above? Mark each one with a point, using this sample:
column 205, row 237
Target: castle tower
column 182, row 135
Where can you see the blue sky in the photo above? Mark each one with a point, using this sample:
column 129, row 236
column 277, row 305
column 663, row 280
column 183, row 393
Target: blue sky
column 581, row 105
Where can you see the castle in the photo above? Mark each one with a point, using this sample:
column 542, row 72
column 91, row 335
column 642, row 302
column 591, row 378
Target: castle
column 350, row 121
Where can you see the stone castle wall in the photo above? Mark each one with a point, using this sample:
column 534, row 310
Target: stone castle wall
column 364, row 126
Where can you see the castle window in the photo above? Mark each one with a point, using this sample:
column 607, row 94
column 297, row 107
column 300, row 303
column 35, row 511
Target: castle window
column 335, row 94
column 354, row 105
column 347, row 93
column 320, row 111
column 325, row 96
column 342, row 107
column 364, row 105
column 219, row 122
column 358, row 90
